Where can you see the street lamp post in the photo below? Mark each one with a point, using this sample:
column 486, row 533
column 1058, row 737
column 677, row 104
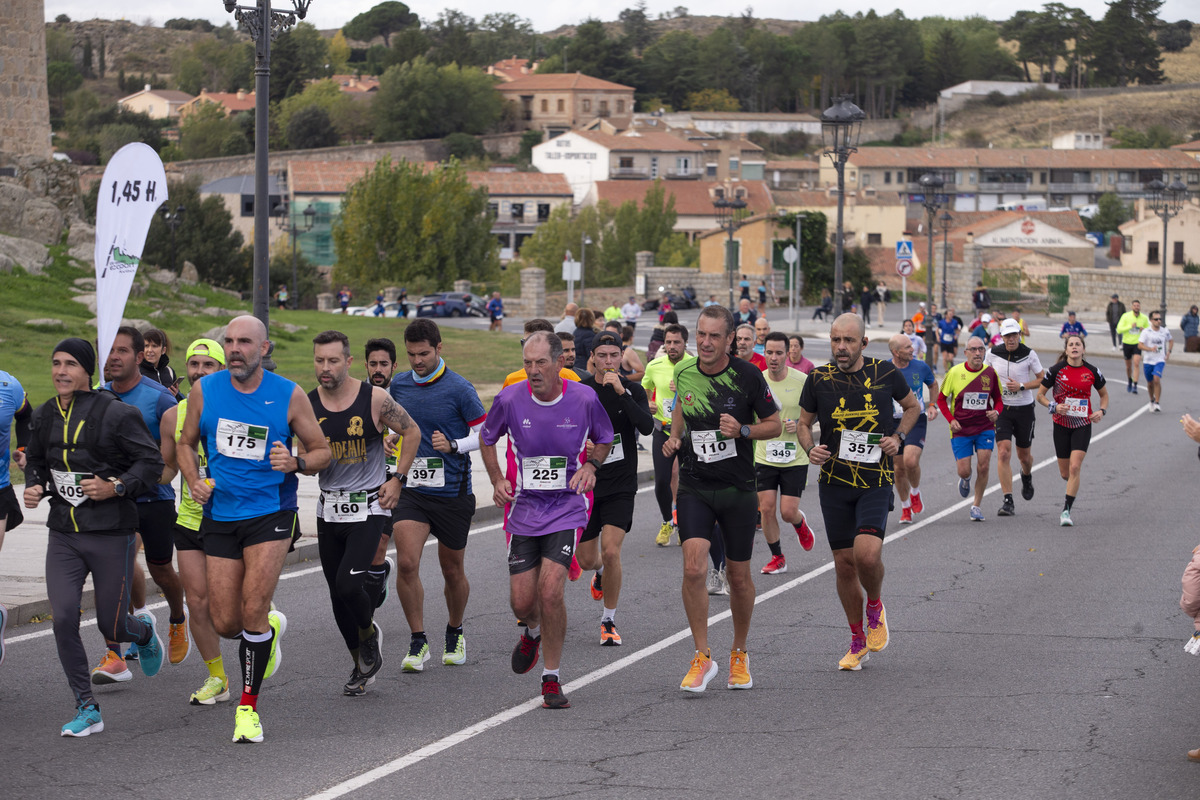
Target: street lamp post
column 173, row 221
column 584, row 241
column 841, row 125
column 727, row 215
column 1166, row 201
column 798, row 274
column 946, row 220
column 263, row 23
column 293, row 232
column 931, row 183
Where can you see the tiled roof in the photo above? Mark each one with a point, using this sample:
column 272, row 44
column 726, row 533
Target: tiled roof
column 961, row 157
column 353, row 83
column 510, row 69
column 797, row 164
column 1188, row 147
column 644, row 141
column 692, row 198
column 751, row 116
column 335, row 177
column 559, row 82
column 809, row 198
column 522, row 183
column 166, row 94
column 230, row 100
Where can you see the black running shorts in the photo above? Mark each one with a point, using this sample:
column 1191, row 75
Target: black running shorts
column 734, row 510
column 1067, row 439
column 613, row 509
column 156, row 524
column 1016, row 422
column 527, row 552
column 448, row 518
column 229, row 539
column 788, row 481
column 850, row 512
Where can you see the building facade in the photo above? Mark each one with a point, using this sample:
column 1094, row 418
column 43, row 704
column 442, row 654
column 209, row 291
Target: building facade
column 556, row 103
column 155, row 103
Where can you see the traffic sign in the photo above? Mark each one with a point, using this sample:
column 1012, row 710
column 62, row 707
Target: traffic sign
column 904, row 249
column 904, row 267
column 790, row 253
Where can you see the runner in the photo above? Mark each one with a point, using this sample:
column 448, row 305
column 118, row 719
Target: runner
column 439, row 498
column 249, row 497
column 14, row 407
column 659, row 383
column 719, row 399
column 949, row 327
column 1156, row 345
column 780, row 466
column 1072, row 380
column 918, row 341
column 964, row 399
column 796, row 358
column 744, row 341
column 632, row 366
column 630, row 312
column 380, row 358
column 203, row 357
column 568, row 345
column 532, row 326
column 761, row 329
column 495, row 309
column 548, row 504
column 851, row 397
column 1130, row 328
column 356, row 499
column 94, row 479
column 616, row 481
column 907, row 463
column 155, row 507
column 1020, row 371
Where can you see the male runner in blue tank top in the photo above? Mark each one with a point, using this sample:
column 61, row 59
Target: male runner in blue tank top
column 249, row 497
column 356, row 495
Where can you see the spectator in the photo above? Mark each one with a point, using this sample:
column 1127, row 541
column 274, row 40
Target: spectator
column 631, row 311
column 744, row 283
column 567, row 323
column 613, row 311
column 848, row 305
column 882, row 295
column 712, row 301
column 1112, row 314
column 762, row 297
column 981, row 298
column 1191, row 330
column 1072, row 327
column 495, row 309
column 826, row 307
column 584, row 333
column 745, row 315
column 156, row 365
column 1016, row 314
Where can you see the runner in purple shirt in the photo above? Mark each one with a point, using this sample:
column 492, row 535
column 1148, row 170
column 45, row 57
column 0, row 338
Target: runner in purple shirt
column 549, row 421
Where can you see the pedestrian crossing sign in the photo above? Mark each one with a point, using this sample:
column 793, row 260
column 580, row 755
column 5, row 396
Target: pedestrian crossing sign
column 904, row 250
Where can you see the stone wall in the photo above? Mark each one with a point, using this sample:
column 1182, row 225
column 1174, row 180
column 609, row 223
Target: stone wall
column 24, row 99
column 1091, row 288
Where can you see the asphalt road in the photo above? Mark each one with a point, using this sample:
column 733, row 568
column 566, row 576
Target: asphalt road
column 1027, row 661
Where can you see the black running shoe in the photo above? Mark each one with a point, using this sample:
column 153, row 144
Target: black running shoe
column 1007, row 510
column 370, row 655
column 525, row 654
column 382, row 594
column 357, row 685
column 1026, row 486
column 552, row 696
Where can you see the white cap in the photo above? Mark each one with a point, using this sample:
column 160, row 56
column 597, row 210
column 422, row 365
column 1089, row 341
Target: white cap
column 922, row 305
column 1009, row 326
column 986, row 318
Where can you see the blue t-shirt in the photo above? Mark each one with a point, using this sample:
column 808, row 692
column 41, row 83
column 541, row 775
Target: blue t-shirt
column 12, row 397
column 916, row 374
column 238, row 431
column 948, row 330
column 153, row 400
column 495, row 306
column 447, row 403
column 1072, row 328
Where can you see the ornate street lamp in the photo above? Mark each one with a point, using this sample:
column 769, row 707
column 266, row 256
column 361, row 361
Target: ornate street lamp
column 173, row 221
column 841, row 126
column 288, row 224
column 1166, row 201
column 946, row 220
column 931, row 184
column 263, row 23
column 728, row 216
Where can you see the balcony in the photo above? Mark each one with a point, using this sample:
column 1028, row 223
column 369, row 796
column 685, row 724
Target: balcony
column 1074, row 188
column 994, row 186
column 685, row 173
column 630, row 173
column 1130, row 187
column 948, row 188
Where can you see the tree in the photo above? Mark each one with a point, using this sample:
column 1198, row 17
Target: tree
column 311, row 127
column 1175, row 36
column 113, row 137
column 1155, row 137
column 62, row 77
column 339, row 53
column 1122, row 50
column 463, row 146
column 87, row 70
column 418, row 100
column 711, row 100
column 103, row 64
column 946, row 60
column 205, row 237
column 529, row 140
column 1111, row 214
column 204, row 131
column 636, row 25
column 450, row 38
column 502, row 35
column 672, row 68
column 381, row 20
column 400, row 224
column 62, row 19
column 297, row 57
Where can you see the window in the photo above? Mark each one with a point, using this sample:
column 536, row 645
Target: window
column 561, row 105
column 887, row 177
column 603, row 106
column 971, row 178
column 866, row 179
column 653, row 166
column 543, row 212
column 1152, row 252
column 1041, row 177
column 733, row 165
column 247, row 205
column 1193, row 177
column 587, row 106
column 1127, row 176
column 719, row 193
column 899, row 177
column 625, row 162
column 493, row 210
column 710, row 169
column 518, row 210
column 620, row 106
column 874, row 238
column 545, row 105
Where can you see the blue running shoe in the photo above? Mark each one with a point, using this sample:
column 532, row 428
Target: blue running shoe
column 964, row 486
column 87, row 721
column 132, row 653
column 976, row 514
column 151, row 653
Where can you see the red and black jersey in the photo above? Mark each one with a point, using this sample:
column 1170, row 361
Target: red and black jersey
column 1073, row 392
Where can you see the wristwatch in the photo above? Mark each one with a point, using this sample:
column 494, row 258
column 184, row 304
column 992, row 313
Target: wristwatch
column 300, row 465
column 594, row 463
column 454, row 445
column 899, row 436
column 745, row 431
column 118, row 486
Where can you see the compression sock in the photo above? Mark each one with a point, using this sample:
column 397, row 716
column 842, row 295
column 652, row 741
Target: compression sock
column 365, row 633
column 874, row 605
column 255, row 651
column 177, row 620
column 1070, row 502
column 609, row 615
column 216, row 667
column 776, row 549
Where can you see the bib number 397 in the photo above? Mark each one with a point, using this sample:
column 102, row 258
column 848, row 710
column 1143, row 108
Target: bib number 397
column 429, row 472
column 860, row 446
column 241, row 440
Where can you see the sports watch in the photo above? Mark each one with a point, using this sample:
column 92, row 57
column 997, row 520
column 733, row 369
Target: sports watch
column 745, row 431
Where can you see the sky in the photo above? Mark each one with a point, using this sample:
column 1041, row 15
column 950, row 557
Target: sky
column 548, row 16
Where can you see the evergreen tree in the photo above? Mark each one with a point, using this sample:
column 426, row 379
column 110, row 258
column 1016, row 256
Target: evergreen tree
column 1123, row 49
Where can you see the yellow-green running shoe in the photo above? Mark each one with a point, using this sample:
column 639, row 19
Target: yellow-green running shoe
column 664, row 535
column 215, row 690
column 279, row 626
column 458, row 654
column 246, row 727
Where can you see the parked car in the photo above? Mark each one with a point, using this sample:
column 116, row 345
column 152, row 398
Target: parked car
column 391, row 309
column 452, row 304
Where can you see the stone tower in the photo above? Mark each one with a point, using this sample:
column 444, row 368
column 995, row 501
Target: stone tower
column 24, row 100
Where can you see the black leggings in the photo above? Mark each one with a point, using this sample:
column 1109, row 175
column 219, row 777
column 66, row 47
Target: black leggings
column 347, row 550
column 662, row 473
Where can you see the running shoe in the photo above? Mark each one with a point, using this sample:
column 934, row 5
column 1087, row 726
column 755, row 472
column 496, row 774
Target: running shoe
column 739, row 670
column 608, row 633
column 215, row 690
column 1157, row 409
column 131, row 654
column 758, row 521
column 389, row 566
column 724, row 581
column 906, row 516
column 279, row 625
column 1026, row 487
column 370, row 652
column 456, row 651
column 877, row 629
column 1135, row 389
column 976, row 514
column 775, row 566
column 1007, row 510
column 964, row 486
column 703, row 670
column 1064, row 519
column 664, row 535
column 3, row 624
column 178, row 644
column 597, row 587
column 675, row 533
column 87, row 721
column 112, row 669
column 246, row 727
column 574, row 571
column 713, row 582
column 151, row 653
column 525, row 654
column 856, row 655
column 805, row 533
column 917, row 505
column 552, row 696
column 418, row 654
column 358, row 683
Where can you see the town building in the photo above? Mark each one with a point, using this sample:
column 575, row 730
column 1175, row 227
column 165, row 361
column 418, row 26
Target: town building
column 155, row 103
column 694, row 209
column 230, row 102
column 556, row 103
column 1141, row 248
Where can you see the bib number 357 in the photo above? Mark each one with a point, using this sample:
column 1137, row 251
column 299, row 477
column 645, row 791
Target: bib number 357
column 860, row 446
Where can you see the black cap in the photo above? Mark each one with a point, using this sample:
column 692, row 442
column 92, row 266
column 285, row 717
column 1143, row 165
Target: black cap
column 81, row 350
column 606, row 338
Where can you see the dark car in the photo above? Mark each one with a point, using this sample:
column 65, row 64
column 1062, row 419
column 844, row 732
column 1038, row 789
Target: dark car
column 452, row 304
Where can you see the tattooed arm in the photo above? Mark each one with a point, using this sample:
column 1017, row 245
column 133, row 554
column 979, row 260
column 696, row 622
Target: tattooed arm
column 390, row 414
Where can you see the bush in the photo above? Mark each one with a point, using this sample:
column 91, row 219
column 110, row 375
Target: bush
column 463, row 146
column 996, row 98
column 1191, row 268
column 973, row 137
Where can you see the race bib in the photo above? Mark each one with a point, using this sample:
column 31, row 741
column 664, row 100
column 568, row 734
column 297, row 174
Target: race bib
column 389, row 466
column 860, row 446
column 241, row 440
column 712, row 446
column 669, row 406
column 66, row 484
column 781, row 452
column 429, row 472
column 974, row 401
column 617, row 452
column 1074, row 407
column 544, row 473
column 948, row 338
column 345, row 506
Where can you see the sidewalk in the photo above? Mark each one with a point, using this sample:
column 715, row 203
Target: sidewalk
column 23, row 558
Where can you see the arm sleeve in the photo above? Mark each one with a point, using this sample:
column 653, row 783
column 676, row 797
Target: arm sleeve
column 24, row 422
column 943, row 402
column 637, row 408
column 471, row 441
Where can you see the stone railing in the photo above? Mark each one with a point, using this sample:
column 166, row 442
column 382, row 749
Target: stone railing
column 1091, row 288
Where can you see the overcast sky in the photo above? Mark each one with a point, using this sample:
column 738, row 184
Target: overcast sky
column 335, row 13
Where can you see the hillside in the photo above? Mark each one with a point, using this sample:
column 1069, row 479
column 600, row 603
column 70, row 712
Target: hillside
column 132, row 47
column 698, row 26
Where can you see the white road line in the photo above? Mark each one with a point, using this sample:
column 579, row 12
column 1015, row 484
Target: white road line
column 458, row 737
